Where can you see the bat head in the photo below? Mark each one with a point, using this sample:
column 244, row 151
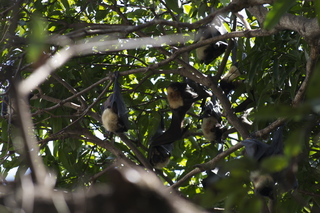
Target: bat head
column 180, row 94
column 263, row 184
column 227, row 82
column 159, row 156
column 175, row 96
column 211, row 129
column 206, row 54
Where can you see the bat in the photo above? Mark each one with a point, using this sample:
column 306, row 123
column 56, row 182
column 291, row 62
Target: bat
column 213, row 177
column 175, row 130
column 263, row 182
column 211, row 181
column 206, row 54
column 254, row 148
column 258, row 150
column 115, row 112
column 159, row 156
column 180, row 95
column 184, row 94
column 211, row 122
column 161, row 143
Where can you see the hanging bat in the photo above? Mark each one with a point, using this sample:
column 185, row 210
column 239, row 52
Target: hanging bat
column 175, row 130
column 264, row 182
column 254, row 148
column 161, row 144
column 185, row 94
column 180, row 95
column 159, row 156
column 211, row 122
column 206, row 54
column 115, row 112
column 258, row 150
column 227, row 82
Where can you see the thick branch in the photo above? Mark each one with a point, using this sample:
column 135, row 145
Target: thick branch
column 206, row 166
column 308, row 28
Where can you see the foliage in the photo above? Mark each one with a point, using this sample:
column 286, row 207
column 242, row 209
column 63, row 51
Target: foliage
column 66, row 107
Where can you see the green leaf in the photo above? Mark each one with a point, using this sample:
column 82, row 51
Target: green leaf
column 281, row 111
column 174, row 6
column 280, row 7
column 317, row 9
column 294, row 143
column 36, row 38
column 314, row 86
column 274, row 163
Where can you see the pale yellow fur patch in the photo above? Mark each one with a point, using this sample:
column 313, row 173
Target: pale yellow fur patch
column 207, row 126
column 110, row 120
column 174, row 99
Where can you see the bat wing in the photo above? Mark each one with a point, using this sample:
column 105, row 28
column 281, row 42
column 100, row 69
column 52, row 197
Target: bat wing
column 276, row 147
column 119, row 105
column 171, row 135
column 175, row 130
column 159, row 131
column 255, row 148
column 200, row 90
column 212, row 110
column 108, row 103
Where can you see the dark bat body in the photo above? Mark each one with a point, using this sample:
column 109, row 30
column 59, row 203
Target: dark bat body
column 211, row 123
column 180, row 97
column 161, row 143
column 211, row 182
column 115, row 112
column 263, row 182
column 206, row 54
column 159, row 156
column 175, row 130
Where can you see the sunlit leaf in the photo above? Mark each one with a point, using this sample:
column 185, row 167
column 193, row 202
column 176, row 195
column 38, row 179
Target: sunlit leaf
column 274, row 163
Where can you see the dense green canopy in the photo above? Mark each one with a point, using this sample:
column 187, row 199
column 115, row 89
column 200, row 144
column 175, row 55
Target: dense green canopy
column 65, row 53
